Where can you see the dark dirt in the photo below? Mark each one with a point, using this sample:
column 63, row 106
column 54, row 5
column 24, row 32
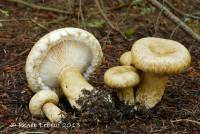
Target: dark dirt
column 18, row 33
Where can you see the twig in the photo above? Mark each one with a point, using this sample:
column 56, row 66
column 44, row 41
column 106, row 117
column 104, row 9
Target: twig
column 58, row 20
column 186, row 120
column 119, row 7
column 198, row 1
column 40, row 25
column 175, row 19
column 70, row 5
column 196, row 13
column 104, row 16
column 129, row 4
column 102, row 5
column 39, row 7
column 181, row 12
column 81, row 13
column 175, row 29
column 107, row 20
column 156, row 26
column 18, row 55
column 8, row 20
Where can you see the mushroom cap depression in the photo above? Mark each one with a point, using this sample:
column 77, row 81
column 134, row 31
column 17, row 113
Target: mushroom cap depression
column 121, row 77
column 60, row 48
column 39, row 99
column 160, row 56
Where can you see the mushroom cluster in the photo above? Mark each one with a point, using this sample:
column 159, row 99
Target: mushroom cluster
column 155, row 59
column 60, row 64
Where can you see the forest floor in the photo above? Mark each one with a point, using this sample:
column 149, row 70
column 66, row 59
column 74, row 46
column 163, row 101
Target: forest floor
column 21, row 26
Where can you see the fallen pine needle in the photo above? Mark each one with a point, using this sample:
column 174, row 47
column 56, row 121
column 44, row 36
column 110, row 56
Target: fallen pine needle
column 186, row 120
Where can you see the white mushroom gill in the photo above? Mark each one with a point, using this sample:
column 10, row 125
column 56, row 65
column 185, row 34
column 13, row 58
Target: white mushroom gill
column 64, row 54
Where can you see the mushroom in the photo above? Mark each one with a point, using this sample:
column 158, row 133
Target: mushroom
column 157, row 58
column 64, row 58
column 43, row 103
column 123, row 79
column 126, row 58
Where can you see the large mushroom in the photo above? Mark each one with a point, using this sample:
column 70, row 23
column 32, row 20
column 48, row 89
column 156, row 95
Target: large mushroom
column 157, row 58
column 64, row 58
column 123, row 79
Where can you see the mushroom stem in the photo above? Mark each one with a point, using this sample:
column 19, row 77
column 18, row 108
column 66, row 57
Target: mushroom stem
column 52, row 112
column 72, row 83
column 126, row 95
column 151, row 89
column 43, row 103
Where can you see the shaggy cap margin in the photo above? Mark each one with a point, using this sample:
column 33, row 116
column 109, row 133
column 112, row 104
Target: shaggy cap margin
column 160, row 56
column 41, row 48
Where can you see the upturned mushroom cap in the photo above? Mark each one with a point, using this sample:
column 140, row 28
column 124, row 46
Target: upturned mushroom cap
column 121, row 77
column 58, row 49
column 39, row 99
column 160, row 56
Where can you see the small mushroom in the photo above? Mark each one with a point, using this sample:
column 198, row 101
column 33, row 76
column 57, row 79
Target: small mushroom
column 43, row 103
column 157, row 58
column 123, row 79
column 64, row 58
column 126, row 58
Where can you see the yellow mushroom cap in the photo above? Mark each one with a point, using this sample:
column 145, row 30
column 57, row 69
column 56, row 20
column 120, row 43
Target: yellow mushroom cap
column 161, row 56
column 126, row 58
column 121, row 77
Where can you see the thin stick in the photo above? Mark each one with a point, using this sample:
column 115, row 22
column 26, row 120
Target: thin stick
column 81, row 13
column 107, row 20
column 181, row 12
column 39, row 7
column 173, row 32
column 8, row 20
column 175, row 19
column 186, row 120
column 103, row 14
column 156, row 27
column 58, row 20
column 119, row 7
column 40, row 25
column 18, row 55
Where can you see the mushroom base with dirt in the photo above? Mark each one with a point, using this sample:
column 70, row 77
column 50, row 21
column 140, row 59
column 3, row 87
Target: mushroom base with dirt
column 73, row 83
column 151, row 89
column 126, row 95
